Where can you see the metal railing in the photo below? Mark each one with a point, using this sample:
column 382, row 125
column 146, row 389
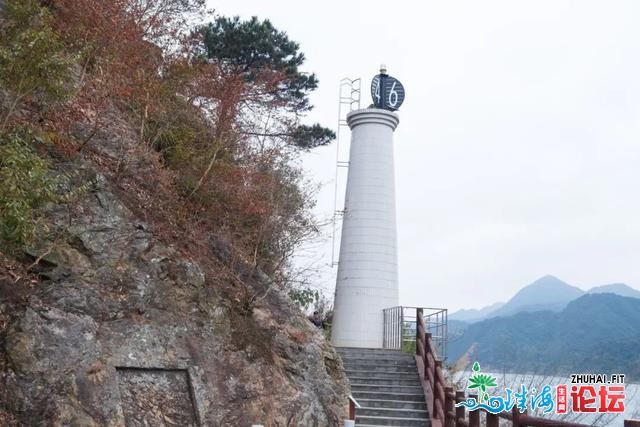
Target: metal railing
column 400, row 325
column 392, row 329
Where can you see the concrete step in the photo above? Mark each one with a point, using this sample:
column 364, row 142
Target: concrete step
column 389, row 355
column 367, row 350
column 392, row 412
column 386, row 385
column 385, row 395
column 393, row 404
column 386, row 388
column 379, row 374
column 388, row 421
column 374, row 355
column 348, row 366
column 380, row 361
column 415, row 381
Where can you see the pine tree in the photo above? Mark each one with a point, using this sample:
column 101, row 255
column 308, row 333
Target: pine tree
column 268, row 65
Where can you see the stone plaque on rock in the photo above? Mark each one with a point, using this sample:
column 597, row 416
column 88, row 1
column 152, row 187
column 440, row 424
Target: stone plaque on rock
column 156, row 397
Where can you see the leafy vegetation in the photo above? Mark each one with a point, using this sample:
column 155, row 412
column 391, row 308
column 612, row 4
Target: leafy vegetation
column 272, row 91
column 27, row 184
column 32, row 60
column 409, row 337
column 220, row 104
column 304, row 297
column 264, row 57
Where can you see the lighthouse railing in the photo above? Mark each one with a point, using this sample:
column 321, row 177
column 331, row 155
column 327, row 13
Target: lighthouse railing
column 401, row 325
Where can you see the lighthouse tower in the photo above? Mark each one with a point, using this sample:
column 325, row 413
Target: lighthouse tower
column 367, row 280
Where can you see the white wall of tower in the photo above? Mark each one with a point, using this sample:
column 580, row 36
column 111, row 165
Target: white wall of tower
column 367, row 280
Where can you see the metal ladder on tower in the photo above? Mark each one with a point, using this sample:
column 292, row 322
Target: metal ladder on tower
column 348, row 100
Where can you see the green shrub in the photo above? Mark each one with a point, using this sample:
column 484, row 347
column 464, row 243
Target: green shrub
column 304, row 297
column 32, row 60
column 27, row 184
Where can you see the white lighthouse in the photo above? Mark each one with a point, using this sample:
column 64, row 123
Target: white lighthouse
column 367, row 280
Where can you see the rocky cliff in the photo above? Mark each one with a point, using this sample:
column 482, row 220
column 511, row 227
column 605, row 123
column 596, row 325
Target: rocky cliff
column 130, row 315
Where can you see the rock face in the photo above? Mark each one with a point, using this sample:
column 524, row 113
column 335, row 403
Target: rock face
column 124, row 330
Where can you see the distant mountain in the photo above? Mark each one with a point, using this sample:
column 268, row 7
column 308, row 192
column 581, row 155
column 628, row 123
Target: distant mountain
column 597, row 332
column 474, row 314
column 616, row 288
column 546, row 293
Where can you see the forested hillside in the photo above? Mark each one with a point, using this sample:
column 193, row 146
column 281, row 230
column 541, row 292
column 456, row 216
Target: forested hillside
column 216, row 105
column 594, row 333
column 150, row 205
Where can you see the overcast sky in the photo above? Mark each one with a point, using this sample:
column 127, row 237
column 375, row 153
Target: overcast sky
column 518, row 149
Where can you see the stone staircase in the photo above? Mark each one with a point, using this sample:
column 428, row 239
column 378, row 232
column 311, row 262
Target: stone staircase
column 386, row 385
